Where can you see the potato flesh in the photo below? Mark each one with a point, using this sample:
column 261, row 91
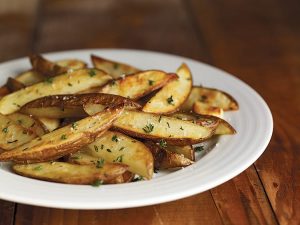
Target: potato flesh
column 187, row 151
column 173, row 94
column 65, row 140
column 49, row 124
column 79, row 80
column 203, row 108
column 170, row 129
column 137, row 85
column 114, row 146
column 12, row 134
column 71, row 173
column 113, row 68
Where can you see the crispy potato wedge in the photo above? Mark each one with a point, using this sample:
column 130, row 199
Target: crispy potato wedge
column 165, row 159
column 64, row 106
column 68, row 83
column 221, row 125
column 46, row 67
column 72, row 64
column 155, row 127
column 204, row 108
column 173, row 94
column 28, row 122
column 135, row 86
column 187, row 151
column 113, row 68
column 117, row 147
column 64, row 140
column 13, row 135
column 30, row 77
column 62, row 172
column 48, row 123
column 213, row 97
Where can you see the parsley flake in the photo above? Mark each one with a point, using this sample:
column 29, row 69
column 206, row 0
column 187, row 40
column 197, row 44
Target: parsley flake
column 150, row 82
column 99, row 163
column 162, row 143
column 49, row 80
column 170, row 100
column 115, row 138
column 181, row 128
column 199, row 148
column 97, row 183
column 74, row 125
column 121, row 149
column 96, row 148
column 108, row 150
column 92, row 73
column 119, row 159
column 37, row 168
column 148, row 128
column 5, row 130
column 63, row 137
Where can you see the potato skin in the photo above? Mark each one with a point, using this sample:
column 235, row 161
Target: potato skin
column 62, row 172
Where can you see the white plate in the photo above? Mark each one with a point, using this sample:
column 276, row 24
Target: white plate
column 228, row 158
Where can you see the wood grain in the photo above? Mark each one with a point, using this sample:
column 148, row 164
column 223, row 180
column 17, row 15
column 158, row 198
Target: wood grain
column 257, row 41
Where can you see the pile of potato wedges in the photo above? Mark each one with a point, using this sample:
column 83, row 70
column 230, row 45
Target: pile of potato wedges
column 114, row 123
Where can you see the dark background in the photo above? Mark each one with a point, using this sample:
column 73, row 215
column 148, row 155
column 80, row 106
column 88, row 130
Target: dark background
column 258, row 41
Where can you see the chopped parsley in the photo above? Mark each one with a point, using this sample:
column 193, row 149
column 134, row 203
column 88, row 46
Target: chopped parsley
column 97, row 183
column 119, row 159
column 139, row 178
column 99, row 163
column 203, row 98
column 170, row 100
column 115, row 138
column 74, row 125
column 112, row 83
column 96, row 148
column 108, row 150
column 9, row 142
column 70, row 85
column 162, row 143
column 5, row 130
column 116, row 65
column 37, row 168
column 148, row 128
column 168, row 124
column 92, row 73
column 199, row 148
column 63, row 137
column 49, row 80
column 102, row 146
column 121, row 149
column 181, row 128
column 159, row 119
column 16, row 104
column 150, row 82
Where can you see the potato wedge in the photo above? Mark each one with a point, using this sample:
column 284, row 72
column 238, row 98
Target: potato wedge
column 155, row 127
column 213, row 97
column 64, row 140
column 173, row 94
column 12, row 134
column 46, row 67
column 29, row 77
column 113, row 68
column 62, row 172
column 28, row 122
column 68, row 83
column 221, row 125
column 165, row 159
column 117, row 147
column 14, row 85
column 48, row 123
column 135, row 86
column 64, row 106
column 204, row 108
column 187, row 151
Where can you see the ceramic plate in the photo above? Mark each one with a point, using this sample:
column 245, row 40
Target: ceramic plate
column 223, row 159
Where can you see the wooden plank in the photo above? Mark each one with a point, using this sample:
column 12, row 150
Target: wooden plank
column 193, row 210
column 258, row 42
column 7, row 210
column 156, row 25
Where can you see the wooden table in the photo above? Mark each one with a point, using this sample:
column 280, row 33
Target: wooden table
column 258, row 41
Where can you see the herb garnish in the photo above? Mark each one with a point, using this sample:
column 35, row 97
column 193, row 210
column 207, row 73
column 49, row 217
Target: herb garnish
column 74, row 125
column 96, row 148
column 181, row 128
column 69, row 84
column 116, row 65
column 99, row 163
column 102, row 146
column 9, row 142
column 38, row 168
column 159, row 119
column 108, row 150
column 203, row 98
column 5, row 130
column 148, row 128
column 162, row 143
column 139, row 178
column 49, row 80
column 112, row 83
column 119, row 159
column 168, row 124
column 97, row 183
column 63, row 137
column 199, row 148
column 20, row 121
column 121, row 149
column 92, row 73
column 150, row 82
column 170, row 100
column 115, row 138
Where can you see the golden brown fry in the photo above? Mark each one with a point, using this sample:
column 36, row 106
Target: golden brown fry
column 155, row 127
column 64, row 106
column 113, row 68
column 117, row 147
column 187, row 151
column 65, row 140
column 68, row 83
column 204, row 108
column 48, row 123
column 173, row 94
column 71, row 173
column 212, row 97
column 135, row 86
